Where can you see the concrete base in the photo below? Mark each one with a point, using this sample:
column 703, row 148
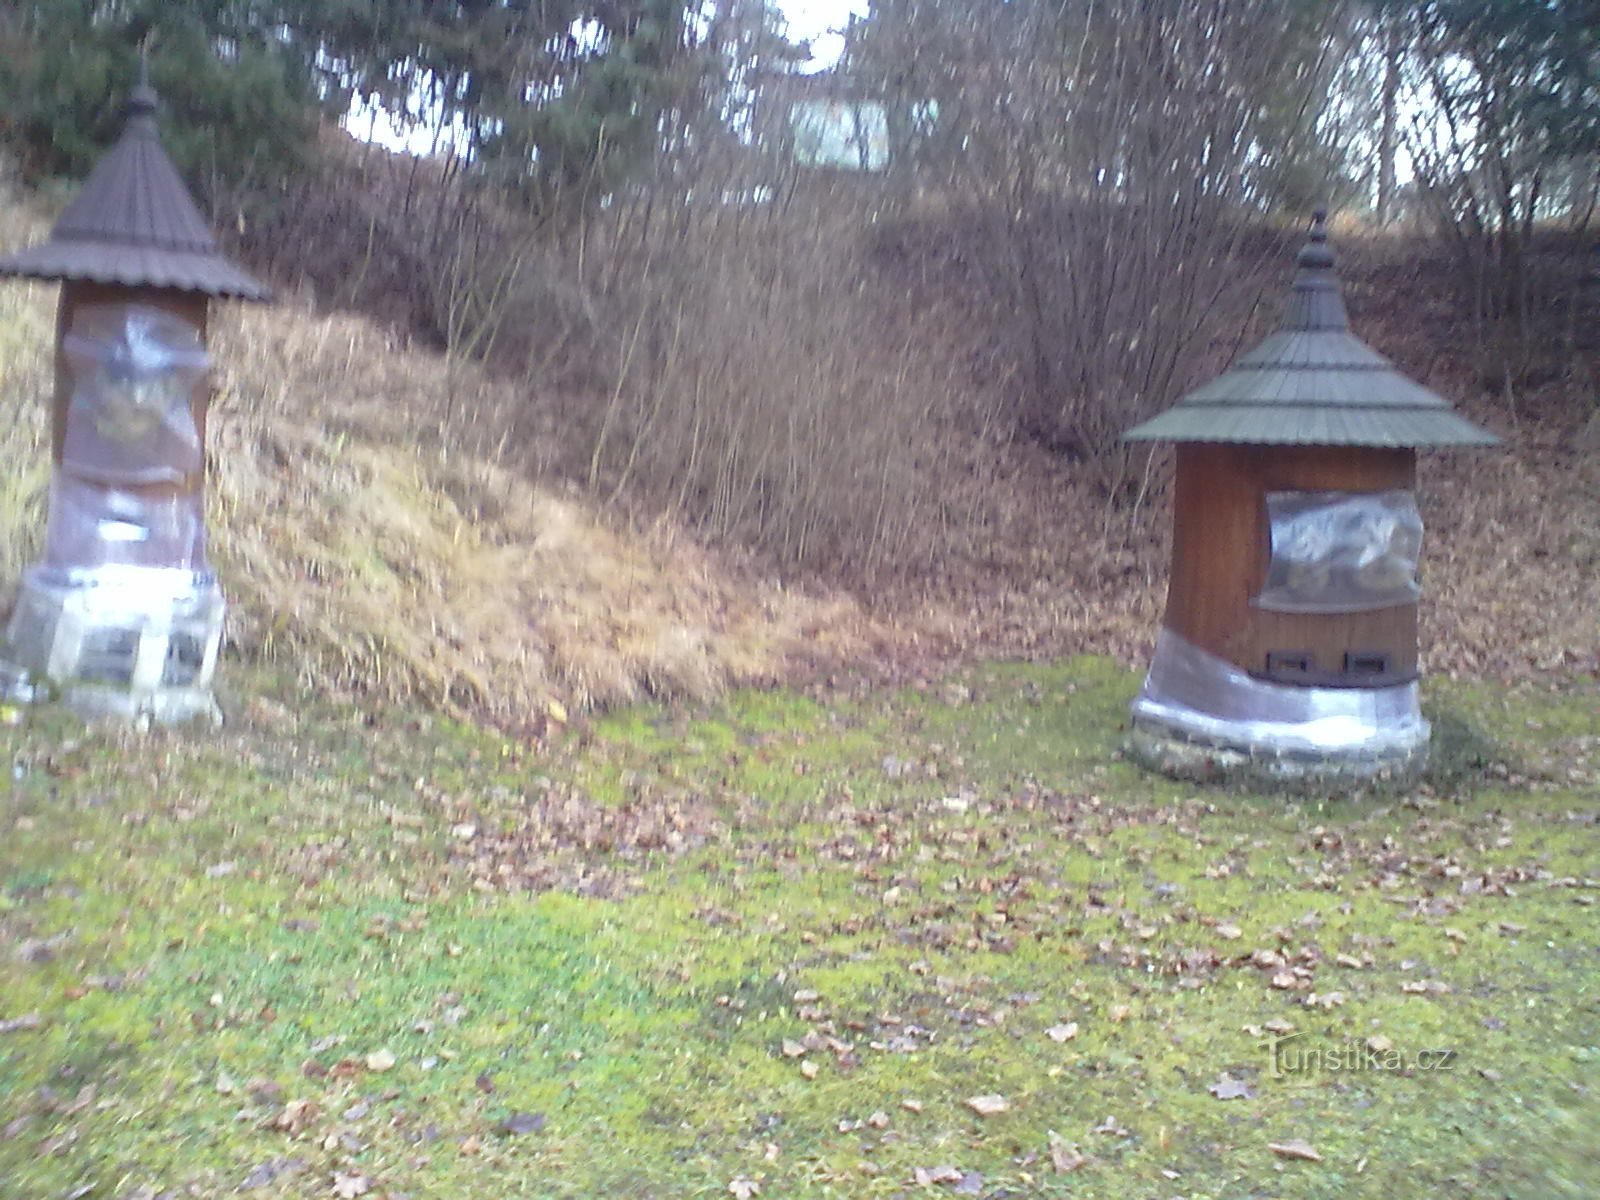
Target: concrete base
column 1181, row 755
column 130, row 644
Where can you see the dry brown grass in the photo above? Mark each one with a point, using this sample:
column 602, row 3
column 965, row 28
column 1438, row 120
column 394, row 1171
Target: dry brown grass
column 369, row 541
column 26, row 328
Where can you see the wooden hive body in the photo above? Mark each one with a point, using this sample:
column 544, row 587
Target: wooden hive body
column 1221, row 547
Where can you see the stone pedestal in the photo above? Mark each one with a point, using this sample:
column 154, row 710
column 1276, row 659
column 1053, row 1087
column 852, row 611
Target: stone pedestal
column 137, row 644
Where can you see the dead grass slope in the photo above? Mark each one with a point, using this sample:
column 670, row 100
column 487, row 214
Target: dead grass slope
column 369, row 541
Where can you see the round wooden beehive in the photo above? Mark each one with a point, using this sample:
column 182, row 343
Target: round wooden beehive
column 1291, row 620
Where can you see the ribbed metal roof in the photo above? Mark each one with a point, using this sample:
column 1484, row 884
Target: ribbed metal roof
column 1313, row 383
column 135, row 224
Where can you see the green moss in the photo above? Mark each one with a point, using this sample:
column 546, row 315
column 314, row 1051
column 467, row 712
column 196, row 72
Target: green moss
column 935, row 880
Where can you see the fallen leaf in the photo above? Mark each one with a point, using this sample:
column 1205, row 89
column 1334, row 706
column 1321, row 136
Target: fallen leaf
column 521, row 1122
column 924, row 1176
column 808, row 1069
column 1425, row 987
column 1296, row 1149
column 911, row 1106
column 380, row 1060
column 226, row 1085
column 265, row 1091
column 879, row 1120
column 1063, row 1033
column 1063, row 1157
column 260, row 1175
column 793, row 1049
column 1230, row 933
column 295, row 1116
column 348, row 1187
column 1229, row 1088
column 989, row 1105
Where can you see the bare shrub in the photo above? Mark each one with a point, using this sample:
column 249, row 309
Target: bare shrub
column 1116, row 154
column 759, row 391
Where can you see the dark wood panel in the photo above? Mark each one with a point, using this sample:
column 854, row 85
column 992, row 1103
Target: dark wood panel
column 1221, row 543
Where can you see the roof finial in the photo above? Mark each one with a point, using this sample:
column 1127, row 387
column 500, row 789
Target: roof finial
column 1316, row 255
column 142, row 101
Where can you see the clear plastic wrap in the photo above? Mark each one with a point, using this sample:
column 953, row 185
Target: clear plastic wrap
column 1336, row 552
column 1200, row 696
column 148, row 634
column 133, row 371
column 92, row 527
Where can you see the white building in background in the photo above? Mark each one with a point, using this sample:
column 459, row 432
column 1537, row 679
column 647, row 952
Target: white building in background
column 848, row 134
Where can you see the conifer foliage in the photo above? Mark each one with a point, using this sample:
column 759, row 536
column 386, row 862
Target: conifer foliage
column 546, row 95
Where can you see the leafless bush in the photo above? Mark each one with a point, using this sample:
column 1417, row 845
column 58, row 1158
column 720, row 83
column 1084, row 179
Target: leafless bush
column 759, row 392
column 1118, row 152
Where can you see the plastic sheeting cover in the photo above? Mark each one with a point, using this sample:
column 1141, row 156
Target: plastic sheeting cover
column 1204, row 697
column 133, row 371
column 92, row 527
column 1335, row 552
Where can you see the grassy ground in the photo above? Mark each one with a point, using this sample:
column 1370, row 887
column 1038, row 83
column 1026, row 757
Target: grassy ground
column 775, row 948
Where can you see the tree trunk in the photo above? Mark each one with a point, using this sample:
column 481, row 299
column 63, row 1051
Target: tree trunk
column 1387, row 131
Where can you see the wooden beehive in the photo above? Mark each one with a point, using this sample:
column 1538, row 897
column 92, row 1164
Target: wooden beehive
column 123, row 615
column 1310, row 435
column 1222, row 546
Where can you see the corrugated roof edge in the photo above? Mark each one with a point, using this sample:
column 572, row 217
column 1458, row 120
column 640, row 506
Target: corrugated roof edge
column 134, row 224
column 135, row 266
column 1280, row 425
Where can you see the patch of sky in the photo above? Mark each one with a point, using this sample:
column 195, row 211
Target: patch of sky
column 419, row 122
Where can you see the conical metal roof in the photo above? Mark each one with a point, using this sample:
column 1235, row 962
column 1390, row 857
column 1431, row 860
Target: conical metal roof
column 1313, row 383
column 135, row 224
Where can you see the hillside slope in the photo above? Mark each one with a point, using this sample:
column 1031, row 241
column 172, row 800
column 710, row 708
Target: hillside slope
column 369, row 541
column 385, row 523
